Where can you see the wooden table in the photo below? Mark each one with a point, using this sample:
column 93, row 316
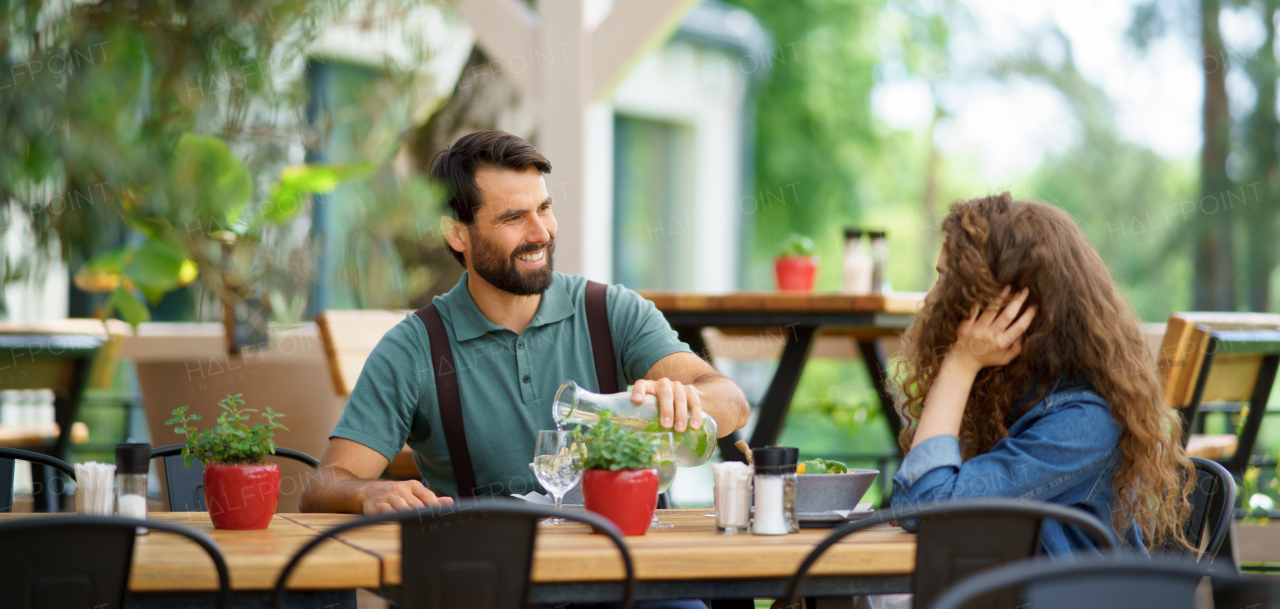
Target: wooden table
column 55, row 355
column 689, row 561
column 169, row 570
column 570, row 564
column 802, row 315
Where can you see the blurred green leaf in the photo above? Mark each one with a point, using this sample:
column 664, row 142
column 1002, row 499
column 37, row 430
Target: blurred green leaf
column 206, row 177
column 288, row 194
column 158, row 267
column 130, row 308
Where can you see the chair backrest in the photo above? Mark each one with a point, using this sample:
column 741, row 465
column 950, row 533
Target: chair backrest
column 78, row 562
column 1182, row 352
column 1106, row 582
column 1246, row 592
column 7, row 458
column 186, row 485
column 1237, row 366
column 1212, row 506
column 476, row 554
column 959, row 538
column 349, row 337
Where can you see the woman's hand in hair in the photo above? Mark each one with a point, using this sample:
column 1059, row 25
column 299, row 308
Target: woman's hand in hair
column 992, row 336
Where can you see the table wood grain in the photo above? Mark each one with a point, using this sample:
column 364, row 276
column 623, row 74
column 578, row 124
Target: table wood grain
column 164, row 562
column 755, row 301
column 690, row 551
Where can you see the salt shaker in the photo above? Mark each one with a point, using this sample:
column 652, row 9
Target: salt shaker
column 775, row 484
column 132, row 463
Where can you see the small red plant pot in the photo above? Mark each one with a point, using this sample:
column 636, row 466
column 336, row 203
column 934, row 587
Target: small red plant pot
column 795, row 272
column 626, row 497
column 241, row 497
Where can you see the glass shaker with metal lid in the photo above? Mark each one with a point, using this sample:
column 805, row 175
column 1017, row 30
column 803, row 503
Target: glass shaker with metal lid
column 775, row 490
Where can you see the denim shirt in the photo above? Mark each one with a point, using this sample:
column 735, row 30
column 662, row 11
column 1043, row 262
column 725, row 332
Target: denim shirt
column 1064, row 451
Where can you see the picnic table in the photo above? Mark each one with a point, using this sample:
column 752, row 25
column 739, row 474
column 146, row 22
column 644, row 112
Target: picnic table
column 802, row 315
column 570, row 564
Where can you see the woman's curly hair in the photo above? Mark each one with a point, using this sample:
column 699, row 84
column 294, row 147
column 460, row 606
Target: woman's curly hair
column 1084, row 332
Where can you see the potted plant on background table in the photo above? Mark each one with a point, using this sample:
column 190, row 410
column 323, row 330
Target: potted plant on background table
column 796, row 266
column 620, row 481
column 240, row 490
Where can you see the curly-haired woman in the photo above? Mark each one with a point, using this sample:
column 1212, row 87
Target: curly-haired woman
column 1026, row 376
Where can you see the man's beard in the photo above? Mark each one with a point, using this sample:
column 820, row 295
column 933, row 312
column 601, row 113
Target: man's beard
column 503, row 272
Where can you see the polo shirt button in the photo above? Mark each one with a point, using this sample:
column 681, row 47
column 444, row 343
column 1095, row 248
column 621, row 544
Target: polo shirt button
column 520, row 345
column 526, row 378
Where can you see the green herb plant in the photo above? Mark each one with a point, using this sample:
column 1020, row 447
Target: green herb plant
column 824, row 466
column 232, row 441
column 616, row 448
column 798, row 246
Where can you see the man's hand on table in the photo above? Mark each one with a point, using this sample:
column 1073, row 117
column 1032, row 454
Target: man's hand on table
column 400, row 496
column 679, row 404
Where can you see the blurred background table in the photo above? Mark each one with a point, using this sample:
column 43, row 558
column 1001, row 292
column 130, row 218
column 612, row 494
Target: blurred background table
column 62, row 356
column 801, row 316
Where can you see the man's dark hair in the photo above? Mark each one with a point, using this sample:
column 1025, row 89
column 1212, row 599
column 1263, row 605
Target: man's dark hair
column 456, row 168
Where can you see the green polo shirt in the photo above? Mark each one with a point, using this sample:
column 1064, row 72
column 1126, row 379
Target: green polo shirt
column 506, row 380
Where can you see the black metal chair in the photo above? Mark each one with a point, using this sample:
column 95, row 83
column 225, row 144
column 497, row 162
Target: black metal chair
column 1257, row 592
column 1106, row 582
column 1212, row 506
column 7, row 458
column 959, row 538
column 186, row 486
column 79, row 562
column 476, row 555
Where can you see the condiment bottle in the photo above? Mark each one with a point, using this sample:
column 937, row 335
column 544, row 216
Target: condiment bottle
column 792, row 456
column 775, row 484
column 879, row 251
column 858, row 265
column 132, row 463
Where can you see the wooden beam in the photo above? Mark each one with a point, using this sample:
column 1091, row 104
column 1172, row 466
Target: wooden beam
column 507, row 31
column 631, row 29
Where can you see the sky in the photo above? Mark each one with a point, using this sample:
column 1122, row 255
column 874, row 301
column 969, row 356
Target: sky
column 1011, row 124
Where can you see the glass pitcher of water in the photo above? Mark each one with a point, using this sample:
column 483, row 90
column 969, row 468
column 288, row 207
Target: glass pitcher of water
column 574, row 405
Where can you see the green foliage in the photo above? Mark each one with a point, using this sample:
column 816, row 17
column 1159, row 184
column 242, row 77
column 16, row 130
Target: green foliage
column 612, row 447
column 296, row 181
column 232, row 441
column 813, row 125
column 824, row 466
column 797, row 246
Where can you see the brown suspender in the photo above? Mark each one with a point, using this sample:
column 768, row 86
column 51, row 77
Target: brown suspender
column 601, row 338
column 446, row 375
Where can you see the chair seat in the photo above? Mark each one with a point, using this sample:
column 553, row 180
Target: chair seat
column 1212, row 446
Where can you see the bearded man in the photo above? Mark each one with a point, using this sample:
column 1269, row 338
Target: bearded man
column 514, row 330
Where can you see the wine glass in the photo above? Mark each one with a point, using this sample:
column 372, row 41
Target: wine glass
column 665, row 462
column 557, row 463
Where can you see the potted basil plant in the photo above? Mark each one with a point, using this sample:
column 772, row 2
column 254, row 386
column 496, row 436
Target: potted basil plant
column 620, row 481
column 240, row 490
column 796, row 266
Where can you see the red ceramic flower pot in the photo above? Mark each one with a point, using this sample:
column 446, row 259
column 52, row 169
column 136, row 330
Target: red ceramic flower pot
column 626, row 497
column 241, row 497
column 795, row 272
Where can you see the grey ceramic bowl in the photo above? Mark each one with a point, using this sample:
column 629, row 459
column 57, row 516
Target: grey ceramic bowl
column 823, row 492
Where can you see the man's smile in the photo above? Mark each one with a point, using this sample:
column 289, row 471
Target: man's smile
column 533, row 259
